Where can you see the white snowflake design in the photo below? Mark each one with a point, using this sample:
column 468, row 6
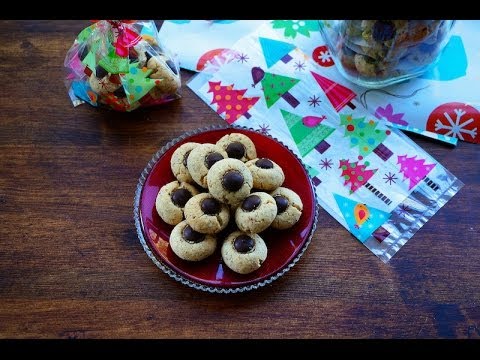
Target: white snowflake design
column 455, row 128
column 297, row 24
column 324, row 56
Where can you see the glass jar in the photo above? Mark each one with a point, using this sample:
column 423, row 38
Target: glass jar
column 378, row 53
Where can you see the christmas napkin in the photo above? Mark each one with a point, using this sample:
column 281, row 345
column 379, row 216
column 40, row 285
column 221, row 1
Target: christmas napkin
column 442, row 104
column 197, row 43
column 376, row 182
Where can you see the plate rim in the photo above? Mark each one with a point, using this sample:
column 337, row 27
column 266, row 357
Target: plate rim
column 176, row 276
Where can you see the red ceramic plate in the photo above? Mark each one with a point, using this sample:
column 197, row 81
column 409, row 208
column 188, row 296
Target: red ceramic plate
column 284, row 247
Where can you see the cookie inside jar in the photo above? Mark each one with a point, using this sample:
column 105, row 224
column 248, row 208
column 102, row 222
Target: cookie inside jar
column 378, row 53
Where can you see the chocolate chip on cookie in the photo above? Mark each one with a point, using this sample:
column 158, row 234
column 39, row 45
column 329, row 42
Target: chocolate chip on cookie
column 229, row 181
column 191, row 235
column 236, row 150
column 267, row 175
column 244, row 244
column 171, row 200
column 232, row 180
column 264, row 163
column 281, row 202
column 210, row 206
column 212, row 158
column 205, row 214
column 251, row 203
column 178, row 162
column 289, row 208
column 180, row 197
column 256, row 213
column 243, row 253
column 201, row 158
column 191, row 245
column 238, row 146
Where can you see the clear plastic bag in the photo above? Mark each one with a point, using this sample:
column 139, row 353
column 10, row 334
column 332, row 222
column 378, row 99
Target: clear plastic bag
column 120, row 64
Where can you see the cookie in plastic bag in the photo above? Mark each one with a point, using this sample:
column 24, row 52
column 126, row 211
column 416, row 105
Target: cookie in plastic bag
column 120, row 64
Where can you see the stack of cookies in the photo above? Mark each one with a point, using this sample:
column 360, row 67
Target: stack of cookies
column 221, row 184
column 380, row 49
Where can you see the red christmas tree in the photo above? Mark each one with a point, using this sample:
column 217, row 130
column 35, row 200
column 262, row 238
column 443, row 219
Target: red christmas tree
column 338, row 95
column 230, row 101
column 356, row 175
column 415, row 170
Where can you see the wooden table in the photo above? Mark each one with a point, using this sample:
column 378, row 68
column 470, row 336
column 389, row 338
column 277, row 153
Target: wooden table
column 71, row 265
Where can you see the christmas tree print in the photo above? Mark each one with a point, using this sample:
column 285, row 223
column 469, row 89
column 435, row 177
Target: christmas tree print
column 308, row 132
column 83, row 91
column 356, row 175
column 415, row 170
column 231, row 102
column 362, row 219
column 312, row 172
column 337, row 94
column 366, row 136
column 275, row 87
column 89, row 62
column 136, row 83
column 85, row 33
column 294, row 27
column 114, row 64
column 274, row 50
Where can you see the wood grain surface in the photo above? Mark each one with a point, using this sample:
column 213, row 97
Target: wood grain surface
column 71, row 265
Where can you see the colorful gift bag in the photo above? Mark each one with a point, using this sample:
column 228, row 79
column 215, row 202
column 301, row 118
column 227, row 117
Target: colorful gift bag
column 120, row 64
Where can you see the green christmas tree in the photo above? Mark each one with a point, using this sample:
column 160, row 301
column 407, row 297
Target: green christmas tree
column 312, row 172
column 294, row 27
column 306, row 132
column 136, row 82
column 366, row 136
column 275, row 87
column 113, row 63
column 89, row 59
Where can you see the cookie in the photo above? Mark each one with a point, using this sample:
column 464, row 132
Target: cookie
column 201, row 159
column 178, row 162
column 267, row 175
column 238, row 146
column 347, row 58
column 256, row 212
column 166, row 72
column 379, row 33
column 139, row 54
column 191, row 245
column 156, row 94
column 244, row 253
column 102, row 85
column 171, row 200
column 365, row 65
column 229, row 181
column 206, row 214
column 384, row 49
column 289, row 208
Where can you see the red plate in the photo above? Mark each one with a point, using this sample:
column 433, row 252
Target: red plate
column 284, row 247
